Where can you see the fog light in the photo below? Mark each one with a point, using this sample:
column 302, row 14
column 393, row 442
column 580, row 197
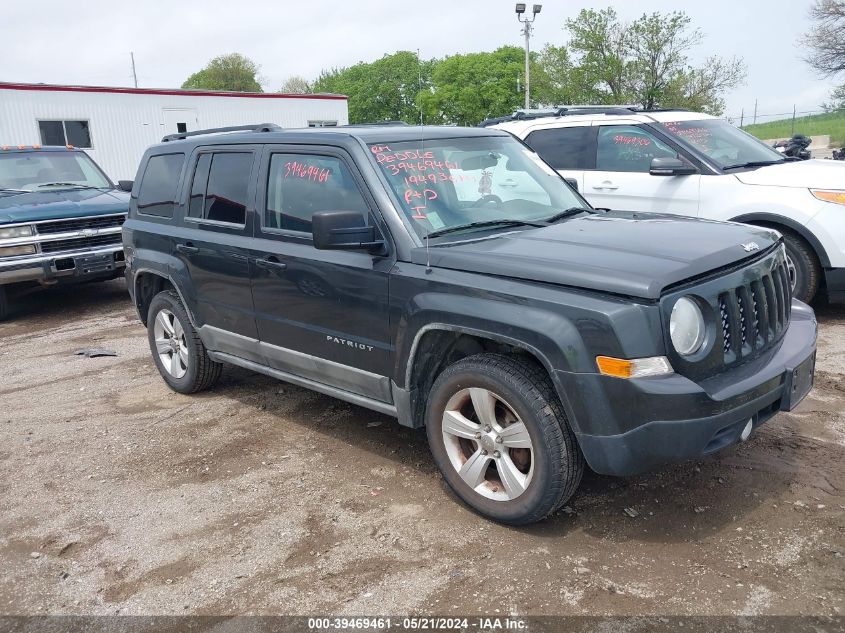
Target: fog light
column 746, row 431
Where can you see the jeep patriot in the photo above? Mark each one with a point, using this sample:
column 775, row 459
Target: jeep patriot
column 450, row 278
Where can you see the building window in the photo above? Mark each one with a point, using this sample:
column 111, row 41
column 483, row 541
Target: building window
column 76, row 133
column 322, row 123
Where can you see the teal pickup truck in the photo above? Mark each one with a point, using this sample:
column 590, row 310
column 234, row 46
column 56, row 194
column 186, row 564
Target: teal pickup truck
column 60, row 219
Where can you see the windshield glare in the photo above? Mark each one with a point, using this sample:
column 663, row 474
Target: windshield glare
column 38, row 170
column 449, row 182
column 723, row 143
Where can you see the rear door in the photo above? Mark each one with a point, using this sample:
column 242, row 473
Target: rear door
column 571, row 150
column 621, row 178
column 321, row 314
column 213, row 246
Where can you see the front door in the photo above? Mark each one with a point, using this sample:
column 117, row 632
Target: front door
column 321, row 314
column 621, row 179
column 214, row 247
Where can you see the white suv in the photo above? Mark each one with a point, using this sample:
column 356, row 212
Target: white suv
column 687, row 163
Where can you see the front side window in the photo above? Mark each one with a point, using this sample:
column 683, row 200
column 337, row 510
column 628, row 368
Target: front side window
column 44, row 170
column 219, row 187
column 565, row 147
column 721, row 142
column 76, row 133
column 157, row 193
column 445, row 183
column 300, row 185
column 629, row 148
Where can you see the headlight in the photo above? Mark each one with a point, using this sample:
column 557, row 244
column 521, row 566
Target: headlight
column 686, row 326
column 834, row 196
column 15, row 231
column 13, row 251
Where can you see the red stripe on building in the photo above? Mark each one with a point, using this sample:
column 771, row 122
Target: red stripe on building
column 171, row 92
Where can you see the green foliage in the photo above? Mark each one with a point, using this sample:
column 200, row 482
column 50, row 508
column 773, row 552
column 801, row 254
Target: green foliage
column 384, row 90
column 832, row 123
column 227, row 72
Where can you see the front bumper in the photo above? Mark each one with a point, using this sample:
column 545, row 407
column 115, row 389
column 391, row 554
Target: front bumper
column 76, row 265
column 625, row 427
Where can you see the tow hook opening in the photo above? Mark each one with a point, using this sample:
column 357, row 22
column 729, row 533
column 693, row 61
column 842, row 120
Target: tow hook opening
column 66, row 263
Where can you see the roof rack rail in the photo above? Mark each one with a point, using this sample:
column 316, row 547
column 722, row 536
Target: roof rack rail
column 572, row 110
column 379, row 124
column 263, row 127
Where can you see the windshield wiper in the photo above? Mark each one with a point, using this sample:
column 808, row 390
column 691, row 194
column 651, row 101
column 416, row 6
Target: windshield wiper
column 68, row 184
column 755, row 163
column 473, row 225
column 567, row 213
column 5, row 190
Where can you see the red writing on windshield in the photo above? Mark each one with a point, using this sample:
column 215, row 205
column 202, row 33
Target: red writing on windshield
column 295, row 169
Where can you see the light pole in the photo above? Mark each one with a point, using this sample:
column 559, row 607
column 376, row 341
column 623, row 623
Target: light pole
column 526, row 31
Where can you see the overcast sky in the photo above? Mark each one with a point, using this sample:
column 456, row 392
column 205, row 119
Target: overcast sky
column 55, row 41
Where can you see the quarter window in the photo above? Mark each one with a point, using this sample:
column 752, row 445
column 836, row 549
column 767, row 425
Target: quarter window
column 300, row 185
column 76, row 133
column 157, row 195
column 219, row 187
column 629, row 148
column 565, row 147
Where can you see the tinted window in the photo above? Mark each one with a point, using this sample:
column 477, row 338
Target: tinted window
column 77, row 133
column 52, row 133
column 629, row 148
column 228, row 181
column 157, row 194
column 566, row 147
column 74, row 133
column 198, row 186
column 300, row 185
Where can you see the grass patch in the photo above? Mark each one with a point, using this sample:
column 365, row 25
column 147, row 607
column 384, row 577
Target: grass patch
column 832, row 123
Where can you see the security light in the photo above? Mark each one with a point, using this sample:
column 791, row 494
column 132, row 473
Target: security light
column 520, row 8
column 537, row 8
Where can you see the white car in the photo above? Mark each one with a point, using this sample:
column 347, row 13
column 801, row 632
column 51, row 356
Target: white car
column 687, row 163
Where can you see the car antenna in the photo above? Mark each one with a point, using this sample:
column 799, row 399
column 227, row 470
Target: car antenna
column 422, row 151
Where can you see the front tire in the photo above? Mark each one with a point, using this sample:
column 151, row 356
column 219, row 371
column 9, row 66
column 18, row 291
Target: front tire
column 178, row 351
column 803, row 266
column 499, row 436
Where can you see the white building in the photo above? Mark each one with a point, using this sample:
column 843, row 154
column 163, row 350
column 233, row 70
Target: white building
column 116, row 125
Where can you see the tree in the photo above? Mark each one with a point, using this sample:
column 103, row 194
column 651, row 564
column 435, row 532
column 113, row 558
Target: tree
column 297, row 85
column 646, row 62
column 227, row 72
column 469, row 88
column 827, row 37
column 384, row 90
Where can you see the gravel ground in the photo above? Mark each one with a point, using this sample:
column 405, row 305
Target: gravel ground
column 120, row 496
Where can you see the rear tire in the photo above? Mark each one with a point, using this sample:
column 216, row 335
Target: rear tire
column 178, row 351
column 499, row 436
column 803, row 265
column 4, row 303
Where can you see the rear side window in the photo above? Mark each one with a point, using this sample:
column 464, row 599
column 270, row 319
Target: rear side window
column 565, row 147
column 300, row 185
column 219, row 187
column 157, row 195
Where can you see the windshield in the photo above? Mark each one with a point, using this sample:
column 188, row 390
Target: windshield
column 447, row 183
column 36, row 170
column 723, row 143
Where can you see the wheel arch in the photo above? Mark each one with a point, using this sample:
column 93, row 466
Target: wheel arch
column 147, row 283
column 772, row 220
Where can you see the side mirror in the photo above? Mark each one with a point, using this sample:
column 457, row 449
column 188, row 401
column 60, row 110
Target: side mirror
column 344, row 230
column 125, row 185
column 572, row 182
column 671, row 167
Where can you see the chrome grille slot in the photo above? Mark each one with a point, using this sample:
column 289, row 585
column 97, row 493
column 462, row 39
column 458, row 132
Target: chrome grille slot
column 68, row 226
column 95, row 241
column 726, row 327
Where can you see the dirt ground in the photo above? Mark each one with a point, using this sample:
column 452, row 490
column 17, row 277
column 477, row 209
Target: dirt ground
column 120, row 496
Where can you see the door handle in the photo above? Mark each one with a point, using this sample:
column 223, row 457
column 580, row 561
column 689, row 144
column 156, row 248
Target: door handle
column 270, row 264
column 510, row 182
column 606, row 185
column 188, row 249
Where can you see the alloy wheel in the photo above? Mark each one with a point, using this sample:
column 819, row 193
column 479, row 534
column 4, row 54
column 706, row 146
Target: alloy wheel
column 171, row 346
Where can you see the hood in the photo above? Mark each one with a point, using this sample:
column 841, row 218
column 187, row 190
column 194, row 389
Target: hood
column 623, row 253
column 807, row 174
column 59, row 205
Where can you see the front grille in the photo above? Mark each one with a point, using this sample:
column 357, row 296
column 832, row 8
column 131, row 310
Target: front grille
column 755, row 314
column 80, row 242
column 68, row 226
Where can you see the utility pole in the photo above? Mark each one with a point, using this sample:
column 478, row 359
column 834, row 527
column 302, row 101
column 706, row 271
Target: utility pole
column 134, row 76
column 755, row 110
column 794, row 107
column 741, row 118
column 527, row 28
